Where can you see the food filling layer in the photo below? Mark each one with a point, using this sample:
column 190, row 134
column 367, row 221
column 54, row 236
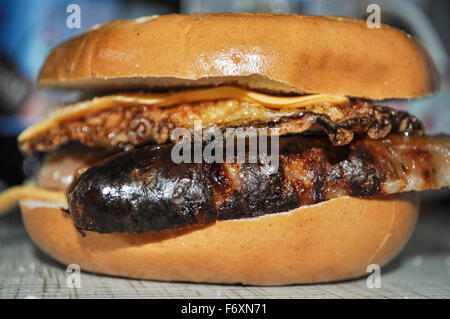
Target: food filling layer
column 144, row 190
column 346, row 147
column 125, row 121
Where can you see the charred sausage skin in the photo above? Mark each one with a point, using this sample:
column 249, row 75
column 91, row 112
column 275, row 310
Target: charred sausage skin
column 144, row 190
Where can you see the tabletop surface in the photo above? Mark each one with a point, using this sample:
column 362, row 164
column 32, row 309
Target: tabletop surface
column 422, row 270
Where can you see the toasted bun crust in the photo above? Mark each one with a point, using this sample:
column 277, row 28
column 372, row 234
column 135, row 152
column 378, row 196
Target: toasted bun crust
column 327, row 242
column 269, row 52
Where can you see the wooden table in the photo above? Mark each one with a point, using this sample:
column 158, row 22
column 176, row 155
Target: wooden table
column 421, row 271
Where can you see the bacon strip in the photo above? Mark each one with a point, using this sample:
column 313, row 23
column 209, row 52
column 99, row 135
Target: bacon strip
column 143, row 190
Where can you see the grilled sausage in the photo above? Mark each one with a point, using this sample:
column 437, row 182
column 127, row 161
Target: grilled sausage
column 144, row 190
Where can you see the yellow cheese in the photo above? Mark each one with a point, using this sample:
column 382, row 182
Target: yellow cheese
column 168, row 99
column 10, row 197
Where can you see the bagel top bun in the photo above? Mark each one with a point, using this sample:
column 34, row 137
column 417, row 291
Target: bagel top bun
column 277, row 53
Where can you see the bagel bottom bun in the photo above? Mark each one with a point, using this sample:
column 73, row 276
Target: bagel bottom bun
column 326, row 242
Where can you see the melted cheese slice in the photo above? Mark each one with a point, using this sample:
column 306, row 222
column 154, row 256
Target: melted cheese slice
column 99, row 104
column 11, row 196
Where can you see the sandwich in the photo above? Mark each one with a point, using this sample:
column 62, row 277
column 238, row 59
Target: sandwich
column 126, row 187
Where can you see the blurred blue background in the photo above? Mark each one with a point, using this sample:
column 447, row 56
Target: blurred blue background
column 30, row 29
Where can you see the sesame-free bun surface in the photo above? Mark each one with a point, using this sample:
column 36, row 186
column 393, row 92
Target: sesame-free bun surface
column 332, row 241
column 269, row 52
